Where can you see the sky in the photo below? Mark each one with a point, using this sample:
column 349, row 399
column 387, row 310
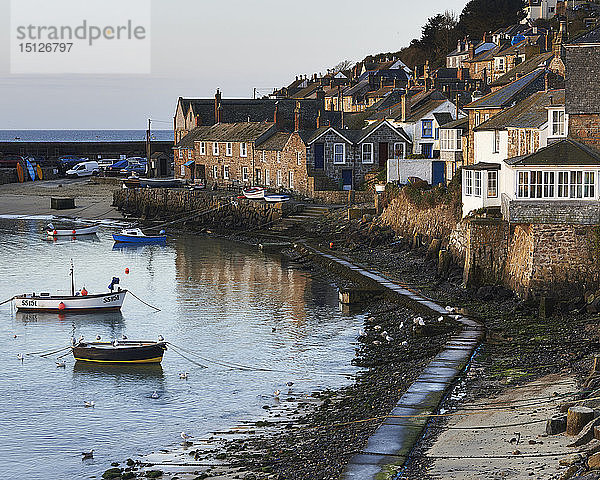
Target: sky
column 195, row 47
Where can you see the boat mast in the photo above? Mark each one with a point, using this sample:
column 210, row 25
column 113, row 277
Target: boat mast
column 72, row 280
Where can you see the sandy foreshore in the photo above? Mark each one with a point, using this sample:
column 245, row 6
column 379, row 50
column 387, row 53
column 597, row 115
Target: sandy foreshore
column 92, row 201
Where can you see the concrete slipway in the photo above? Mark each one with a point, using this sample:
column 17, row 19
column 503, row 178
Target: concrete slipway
column 389, row 447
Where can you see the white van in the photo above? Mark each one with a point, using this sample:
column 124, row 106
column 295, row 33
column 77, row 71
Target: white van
column 84, row 169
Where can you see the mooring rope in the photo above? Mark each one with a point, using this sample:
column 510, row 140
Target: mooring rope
column 47, row 352
column 6, row 301
column 147, row 304
column 186, row 357
column 56, row 351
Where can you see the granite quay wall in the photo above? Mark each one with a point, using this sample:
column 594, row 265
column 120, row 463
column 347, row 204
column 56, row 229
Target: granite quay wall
column 486, row 242
column 9, row 175
column 199, row 208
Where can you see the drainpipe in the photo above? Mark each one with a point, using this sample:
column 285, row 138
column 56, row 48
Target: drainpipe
column 253, row 169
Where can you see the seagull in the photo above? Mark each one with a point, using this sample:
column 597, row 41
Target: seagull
column 89, row 404
column 401, row 324
column 404, row 343
column 61, row 364
column 80, row 339
column 384, row 333
column 98, row 337
column 160, row 338
column 361, row 333
column 185, row 437
column 154, row 394
column 376, row 342
column 89, row 454
column 377, row 327
column 418, row 321
column 183, row 376
column 450, row 309
column 289, row 384
column 20, row 356
column 276, row 393
column 388, row 338
column 440, row 318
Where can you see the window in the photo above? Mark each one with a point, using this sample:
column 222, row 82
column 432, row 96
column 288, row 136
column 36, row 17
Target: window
column 262, row 156
column 535, row 184
column 180, row 153
column 496, row 141
column 427, row 128
column 477, row 119
column 299, row 158
column 367, row 153
column 182, row 171
column 228, row 149
column 558, row 123
column 477, row 184
column 437, row 133
column 563, row 184
column 500, row 64
column 339, row 153
column 226, row 172
column 523, row 185
column 548, row 184
column 492, row 184
column 243, row 149
column 189, row 154
column 398, row 150
column 469, row 182
column 244, row 174
column 215, row 148
column 576, row 185
column 202, row 148
column 267, row 177
column 216, row 171
column 279, row 178
column 588, row 185
column 278, row 157
column 450, row 140
column 291, row 179
column 427, row 150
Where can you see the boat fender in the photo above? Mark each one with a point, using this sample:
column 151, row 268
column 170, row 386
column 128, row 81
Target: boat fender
column 127, row 271
column 162, row 232
column 61, row 306
column 84, row 292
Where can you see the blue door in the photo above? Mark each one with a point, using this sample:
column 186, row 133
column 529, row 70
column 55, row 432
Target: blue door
column 437, row 174
column 319, row 156
column 347, row 179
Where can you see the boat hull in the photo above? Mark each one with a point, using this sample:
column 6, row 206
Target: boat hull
column 160, row 182
column 79, row 304
column 125, row 352
column 254, row 193
column 72, row 232
column 137, row 239
column 277, row 198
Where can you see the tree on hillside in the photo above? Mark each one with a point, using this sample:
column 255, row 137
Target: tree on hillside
column 480, row 16
column 439, row 34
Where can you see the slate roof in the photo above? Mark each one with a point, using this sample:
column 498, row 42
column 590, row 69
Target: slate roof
column 565, row 152
column 353, row 136
column 442, row 117
column 528, row 66
column 483, row 166
column 458, row 123
column 486, row 55
column 582, row 74
column 529, row 113
column 591, row 37
column 511, row 93
column 227, row 132
column 260, row 110
column 421, row 103
column 277, row 141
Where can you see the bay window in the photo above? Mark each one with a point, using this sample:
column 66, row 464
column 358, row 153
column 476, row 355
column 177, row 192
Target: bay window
column 562, row 185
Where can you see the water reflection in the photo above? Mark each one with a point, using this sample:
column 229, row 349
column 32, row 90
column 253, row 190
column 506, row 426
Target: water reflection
column 116, row 372
column 93, row 238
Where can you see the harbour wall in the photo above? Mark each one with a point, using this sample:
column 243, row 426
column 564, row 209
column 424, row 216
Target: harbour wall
column 200, row 209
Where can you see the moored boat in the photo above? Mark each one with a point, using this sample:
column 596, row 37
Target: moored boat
column 75, row 231
column 121, row 351
column 277, row 198
column 160, row 182
column 44, row 302
column 254, row 192
column 135, row 235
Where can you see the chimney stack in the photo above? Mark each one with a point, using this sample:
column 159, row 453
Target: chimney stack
column 405, row 107
column 218, row 106
column 297, row 117
column 276, row 115
column 319, row 119
column 471, row 50
column 198, row 121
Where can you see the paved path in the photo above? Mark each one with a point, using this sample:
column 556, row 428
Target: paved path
column 390, row 445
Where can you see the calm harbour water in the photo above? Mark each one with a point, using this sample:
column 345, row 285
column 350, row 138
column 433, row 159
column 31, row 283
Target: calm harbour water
column 218, row 298
column 82, row 135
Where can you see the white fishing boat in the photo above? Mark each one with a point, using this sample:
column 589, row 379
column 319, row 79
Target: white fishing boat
column 277, row 198
column 254, row 192
column 78, row 302
column 75, row 231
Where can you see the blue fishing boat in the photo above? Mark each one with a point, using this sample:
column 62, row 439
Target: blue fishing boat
column 135, row 235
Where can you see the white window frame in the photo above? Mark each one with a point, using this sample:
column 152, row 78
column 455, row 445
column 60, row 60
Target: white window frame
column 245, row 174
column 243, row 149
column 477, row 119
column 469, row 183
column 267, row 176
column 403, row 147
column 370, row 155
column 342, row 153
column 216, row 149
column 291, row 179
column 180, row 153
column 226, row 172
column 202, row 148
column 477, row 184
column 496, row 141
column 299, row 158
column 229, row 149
column 215, row 171
column 558, row 125
column 492, row 184
column 190, row 155
column 278, row 157
column 262, row 156
column 182, row 171
column 556, row 184
column 279, row 179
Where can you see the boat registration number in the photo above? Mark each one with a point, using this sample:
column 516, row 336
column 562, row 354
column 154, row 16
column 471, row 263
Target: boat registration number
column 112, row 298
column 29, row 303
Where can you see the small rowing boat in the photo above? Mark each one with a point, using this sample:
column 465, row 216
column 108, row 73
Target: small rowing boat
column 135, row 235
column 254, row 192
column 121, row 351
column 277, row 198
column 64, row 232
column 78, row 302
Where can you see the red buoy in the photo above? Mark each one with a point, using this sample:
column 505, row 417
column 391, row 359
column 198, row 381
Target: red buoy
column 73, row 232
column 331, row 245
column 61, row 306
column 84, row 292
column 54, row 233
column 127, row 271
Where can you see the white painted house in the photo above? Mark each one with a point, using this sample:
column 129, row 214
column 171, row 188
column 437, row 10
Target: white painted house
column 540, row 9
column 517, row 132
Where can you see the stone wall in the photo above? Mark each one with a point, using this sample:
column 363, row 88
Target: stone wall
column 551, row 211
column 199, row 208
column 486, row 250
column 9, row 175
column 585, row 129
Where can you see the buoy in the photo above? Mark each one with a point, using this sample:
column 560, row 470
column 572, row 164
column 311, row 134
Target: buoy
column 61, row 306
column 73, row 232
column 127, row 271
column 84, row 292
column 54, row 232
column 331, row 245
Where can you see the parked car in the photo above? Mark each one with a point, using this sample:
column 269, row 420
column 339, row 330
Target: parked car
column 115, row 168
column 67, row 162
column 137, row 168
column 84, row 169
column 10, row 161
